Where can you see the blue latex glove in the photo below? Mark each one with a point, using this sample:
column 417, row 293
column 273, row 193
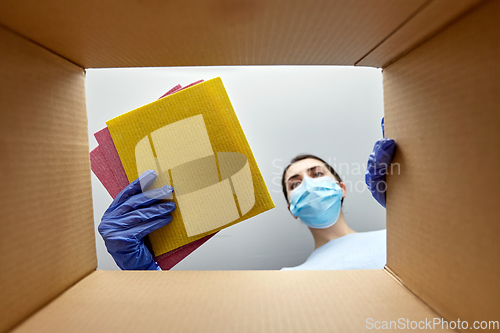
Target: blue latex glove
column 131, row 216
column 380, row 158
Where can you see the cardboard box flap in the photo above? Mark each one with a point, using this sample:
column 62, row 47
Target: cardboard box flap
column 233, row 301
column 442, row 108
column 434, row 15
column 216, row 32
column 47, row 227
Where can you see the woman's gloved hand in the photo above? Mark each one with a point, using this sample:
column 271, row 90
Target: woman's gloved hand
column 380, row 158
column 131, row 216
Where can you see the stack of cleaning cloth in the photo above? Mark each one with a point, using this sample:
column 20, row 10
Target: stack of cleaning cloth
column 193, row 140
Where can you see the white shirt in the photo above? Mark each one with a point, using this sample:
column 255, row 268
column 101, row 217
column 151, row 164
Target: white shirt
column 361, row 250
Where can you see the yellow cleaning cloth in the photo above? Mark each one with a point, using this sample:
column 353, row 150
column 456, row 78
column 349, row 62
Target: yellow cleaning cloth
column 194, row 142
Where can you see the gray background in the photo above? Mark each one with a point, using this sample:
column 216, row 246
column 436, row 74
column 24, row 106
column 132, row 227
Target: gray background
column 332, row 112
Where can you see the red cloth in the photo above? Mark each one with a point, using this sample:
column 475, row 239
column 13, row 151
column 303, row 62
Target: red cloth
column 102, row 170
column 168, row 260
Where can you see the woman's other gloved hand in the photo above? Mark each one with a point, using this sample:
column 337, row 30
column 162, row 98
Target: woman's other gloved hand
column 376, row 170
column 131, row 216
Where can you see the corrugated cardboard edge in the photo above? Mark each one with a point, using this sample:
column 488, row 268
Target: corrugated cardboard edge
column 48, row 239
column 426, row 22
column 441, row 107
column 258, row 32
column 229, row 301
column 399, row 281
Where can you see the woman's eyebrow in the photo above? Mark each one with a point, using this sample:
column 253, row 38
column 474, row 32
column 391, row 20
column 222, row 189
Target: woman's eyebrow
column 308, row 170
column 313, row 168
column 294, row 176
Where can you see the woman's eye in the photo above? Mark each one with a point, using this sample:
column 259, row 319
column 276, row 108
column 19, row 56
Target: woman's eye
column 318, row 173
column 294, row 185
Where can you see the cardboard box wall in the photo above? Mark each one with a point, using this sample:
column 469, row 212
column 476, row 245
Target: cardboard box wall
column 441, row 103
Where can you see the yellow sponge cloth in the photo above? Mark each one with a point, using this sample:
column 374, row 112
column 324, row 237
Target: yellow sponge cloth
column 194, row 142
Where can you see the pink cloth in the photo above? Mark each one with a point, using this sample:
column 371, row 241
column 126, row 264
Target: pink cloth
column 171, row 91
column 107, row 166
column 108, row 163
column 109, row 151
column 178, row 88
column 103, row 172
column 192, row 84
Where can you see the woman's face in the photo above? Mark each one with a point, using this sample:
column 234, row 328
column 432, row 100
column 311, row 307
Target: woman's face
column 309, row 167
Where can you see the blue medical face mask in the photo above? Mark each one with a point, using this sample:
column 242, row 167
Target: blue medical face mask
column 317, row 201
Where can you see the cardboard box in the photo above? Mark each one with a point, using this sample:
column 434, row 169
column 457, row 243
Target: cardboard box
column 441, row 84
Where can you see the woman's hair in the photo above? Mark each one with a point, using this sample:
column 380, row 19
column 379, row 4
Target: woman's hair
column 303, row 157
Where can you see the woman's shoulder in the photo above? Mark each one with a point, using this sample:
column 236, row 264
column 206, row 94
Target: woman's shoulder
column 359, row 250
column 376, row 233
column 367, row 237
column 362, row 236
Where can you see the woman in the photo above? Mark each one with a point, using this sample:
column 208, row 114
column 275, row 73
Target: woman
column 313, row 190
column 315, row 194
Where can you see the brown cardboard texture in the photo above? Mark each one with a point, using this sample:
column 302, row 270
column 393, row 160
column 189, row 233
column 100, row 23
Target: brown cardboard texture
column 232, row 301
column 216, row 32
column 431, row 17
column 47, row 241
column 442, row 109
column 441, row 83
